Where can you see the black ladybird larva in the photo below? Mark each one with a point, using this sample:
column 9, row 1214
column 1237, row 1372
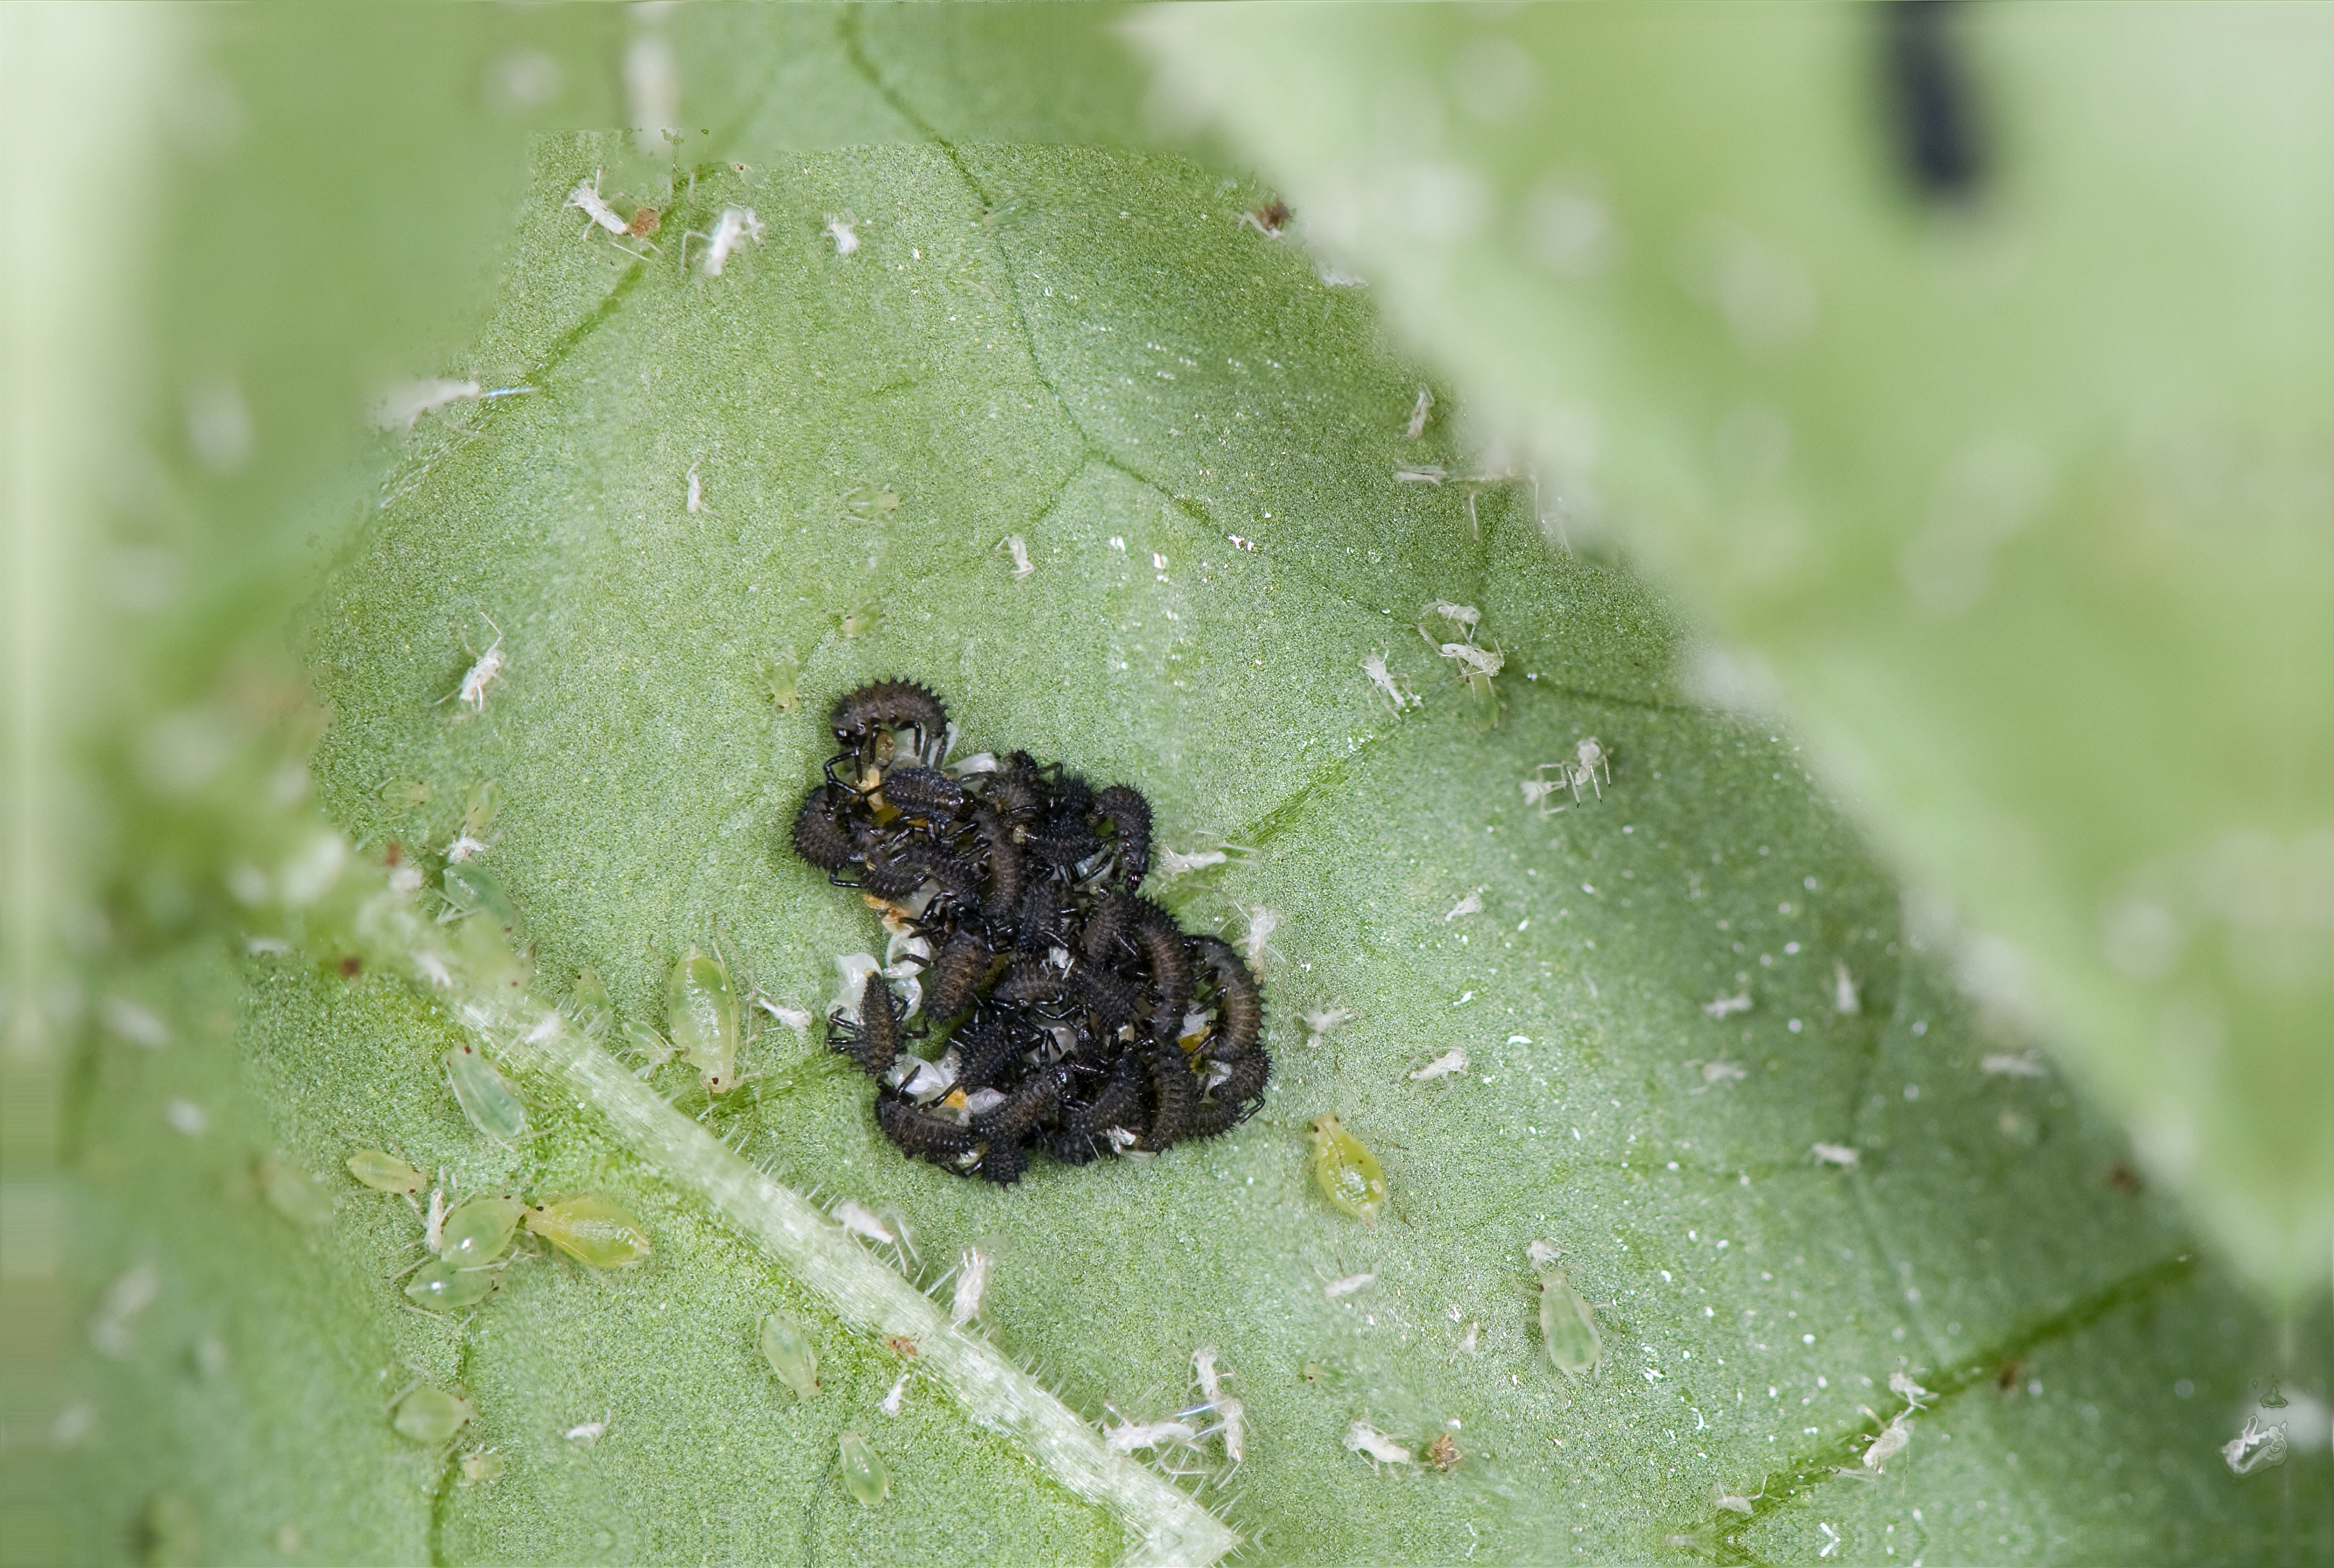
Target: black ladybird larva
column 891, row 705
column 920, row 1132
column 923, row 793
column 1108, row 925
column 1023, row 1110
column 988, row 1048
column 955, row 976
column 1113, row 998
column 1237, row 1096
column 1175, row 1097
column 1121, row 1101
column 821, row 835
column 956, row 879
column 1130, row 813
column 1243, row 1005
column 1031, row 980
column 1171, row 978
column 1003, row 1163
column 873, row 1042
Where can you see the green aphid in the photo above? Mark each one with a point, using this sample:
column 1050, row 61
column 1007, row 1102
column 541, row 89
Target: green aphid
column 429, row 1415
column 411, row 792
column 294, row 1194
column 588, row 1007
column 1567, row 1325
column 170, row 1532
column 479, row 809
column 479, row 1232
column 778, row 679
column 472, row 889
column 592, row 1231
column 1349, row 1174
column 863, row 1475
column 385, row 1172
column 700, row 1017
column 442, row 1284
column 492, row 1105
column 785, row 1345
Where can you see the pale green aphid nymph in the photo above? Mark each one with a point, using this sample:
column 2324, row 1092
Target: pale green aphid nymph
column 1349, row 1175
column 385, row 1172
column 429, row 1415
column 294, row 1194
column 479, row 1232
column 592, row 1231
column 492, row 1105
column 863, row 1475
column 785, row 1345
column 439, row 1284
column 700, row 1017
column 1567, row 1325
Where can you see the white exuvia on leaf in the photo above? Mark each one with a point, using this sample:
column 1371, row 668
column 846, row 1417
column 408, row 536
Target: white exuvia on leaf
column 1166, row 864
column 843, row 233
column 1352, row 1284
column 472, row 692
column 1361, row 1438
column 971, row 1285
column 2257, row 1447
column 1472, row 904
column 1451, row 1061
column 1738, row 1003
column 586, row 198
column 2003, row 1064
column 736, row 226
column 1839, row 1154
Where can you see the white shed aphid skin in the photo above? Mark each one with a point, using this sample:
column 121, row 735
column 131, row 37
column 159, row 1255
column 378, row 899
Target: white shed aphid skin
column 696, row 502
column 1207, row 1374
column 1721, row 1072
column 1538, row 791
column 586, row 197
column 736, row 226
column 124, row 1298
column 1129, row 1436
column 1843, row 995
column 1320, row 1022
column 1738, row 1003
column 1421, row 475
column 1741, row 1504
column 1361, row 1438
column 844, row 233
column 2257, row 1447
column 891, row 1402
column 1374, row 665
column 433, row 1231
column 472, row 692
column 971, row 1283
column 1261, row 923
column 1018, row 548
column 1472, row 904
column 587, row 1431
column 1352, row 1284
column 856, row 1218
column 1451, row 1061
column 798, row 1019
column 1591, row 760
column 2005, row 1065
column 1166, row 864
column 1541, row 1255
column 1891, row 1442
column 1231, row 1426
column 1839, row 1154
column 1901, row 1384
column 1419, row 412
column 1465, row 615
column 1476, row 665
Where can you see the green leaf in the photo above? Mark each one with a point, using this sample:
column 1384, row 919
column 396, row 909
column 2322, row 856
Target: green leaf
column 2015, row 496
column 1078, row 346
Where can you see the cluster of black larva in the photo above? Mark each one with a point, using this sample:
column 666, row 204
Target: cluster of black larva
column 1090, row 1021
